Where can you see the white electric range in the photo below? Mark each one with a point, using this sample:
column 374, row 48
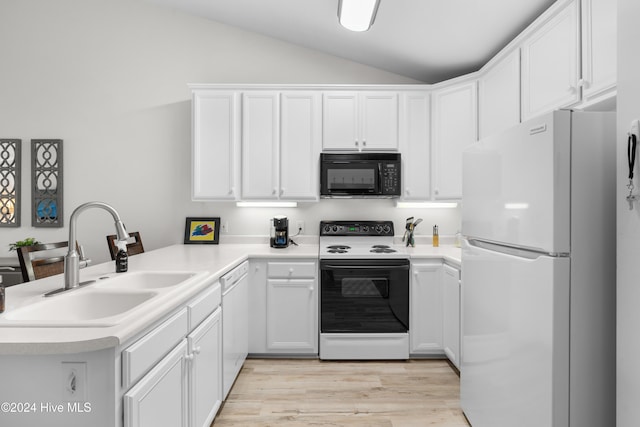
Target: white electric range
column 364, row 291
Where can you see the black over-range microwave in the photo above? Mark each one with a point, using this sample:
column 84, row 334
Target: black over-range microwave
column 360, row 175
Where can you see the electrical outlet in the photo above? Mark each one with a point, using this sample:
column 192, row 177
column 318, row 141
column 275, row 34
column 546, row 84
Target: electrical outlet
column 299, row 227
column 74, row 381
column 225, row 226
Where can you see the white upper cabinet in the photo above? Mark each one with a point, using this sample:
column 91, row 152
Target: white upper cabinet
column 454, row 128
column 499, row 95
column 300, row 135
column 550, row 64
column 598, row 47
column 260, row 136
column 415, row 132
column 360, row 121
column 216, row 136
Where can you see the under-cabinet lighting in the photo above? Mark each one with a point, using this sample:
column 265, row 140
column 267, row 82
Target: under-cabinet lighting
column 427, row 205
column 357, row 15
column 267, row 204
column 516, row 206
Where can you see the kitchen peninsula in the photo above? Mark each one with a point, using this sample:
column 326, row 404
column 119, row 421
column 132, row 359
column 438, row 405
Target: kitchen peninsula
column 110, row 366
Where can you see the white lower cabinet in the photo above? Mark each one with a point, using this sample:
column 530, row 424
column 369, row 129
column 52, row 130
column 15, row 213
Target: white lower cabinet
column 292, row 324
column 205, row 375
column 160, row 397
column 435, row 310
column 451, row 314
column 183, row 387
column 283, row 305
column 425, row 333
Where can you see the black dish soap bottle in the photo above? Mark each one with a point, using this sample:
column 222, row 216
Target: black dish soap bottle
column 122, row 258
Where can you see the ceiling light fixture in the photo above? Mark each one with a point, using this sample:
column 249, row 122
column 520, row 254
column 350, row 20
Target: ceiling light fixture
column 357, row 15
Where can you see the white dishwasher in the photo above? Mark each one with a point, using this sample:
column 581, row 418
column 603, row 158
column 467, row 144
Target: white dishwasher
column 235, row 323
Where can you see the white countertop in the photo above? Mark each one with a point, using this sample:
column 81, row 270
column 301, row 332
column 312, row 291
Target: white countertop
column 212, row 261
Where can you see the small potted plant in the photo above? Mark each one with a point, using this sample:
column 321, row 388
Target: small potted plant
column 29, row 241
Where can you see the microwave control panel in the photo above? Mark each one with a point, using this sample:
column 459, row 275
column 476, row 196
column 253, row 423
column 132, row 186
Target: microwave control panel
column 391, row 178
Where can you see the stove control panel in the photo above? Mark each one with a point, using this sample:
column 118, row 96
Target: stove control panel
column 356, row 228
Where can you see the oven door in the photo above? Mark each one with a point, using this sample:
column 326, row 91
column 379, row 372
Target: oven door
column 350, row 178
column 364, row 296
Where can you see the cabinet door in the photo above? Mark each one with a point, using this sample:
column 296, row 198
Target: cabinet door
column 292, row 316
column 451, row 315
column 340, row 121
column 379, row 121
column 205, row 380
column 215, row 140
column 160, row 397
column 415, row 134
column 599, row 38
column 454, row 127
column 426, row 309
column 260, row 135
column 300, row 135
column 499, row 96
column 550, row 65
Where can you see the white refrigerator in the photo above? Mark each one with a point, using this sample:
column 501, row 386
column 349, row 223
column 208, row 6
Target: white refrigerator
column 538, row 274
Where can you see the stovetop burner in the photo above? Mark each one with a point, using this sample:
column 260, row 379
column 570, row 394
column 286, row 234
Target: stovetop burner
column 339, row 247
column 381, row 247
column 337, row 251
column 382, row 250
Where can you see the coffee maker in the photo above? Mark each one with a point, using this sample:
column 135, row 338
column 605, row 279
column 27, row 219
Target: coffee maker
column 279, row 232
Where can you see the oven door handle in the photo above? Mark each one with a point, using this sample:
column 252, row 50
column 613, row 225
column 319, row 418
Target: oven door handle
column 364, row 267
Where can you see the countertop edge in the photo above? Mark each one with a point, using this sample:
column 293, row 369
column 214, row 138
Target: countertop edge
column 29, row 340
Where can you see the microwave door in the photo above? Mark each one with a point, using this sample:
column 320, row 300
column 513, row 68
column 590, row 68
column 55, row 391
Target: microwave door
column 350, row 179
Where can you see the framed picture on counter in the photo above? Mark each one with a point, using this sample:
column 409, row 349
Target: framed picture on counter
column 202, row 230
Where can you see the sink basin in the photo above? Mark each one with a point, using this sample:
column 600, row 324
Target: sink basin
column 145, row 280
column 75, row 308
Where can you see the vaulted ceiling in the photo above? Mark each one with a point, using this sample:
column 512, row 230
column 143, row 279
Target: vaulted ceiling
column 427, row 40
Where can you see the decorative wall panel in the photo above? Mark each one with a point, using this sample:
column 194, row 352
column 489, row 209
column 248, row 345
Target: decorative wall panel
column 10, row 166
column 46, row 183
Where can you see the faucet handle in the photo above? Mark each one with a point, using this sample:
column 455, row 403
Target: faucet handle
column 81, row 253
column 84, row 261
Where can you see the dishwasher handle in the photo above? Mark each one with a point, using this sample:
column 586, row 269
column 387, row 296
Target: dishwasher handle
column 231, row 279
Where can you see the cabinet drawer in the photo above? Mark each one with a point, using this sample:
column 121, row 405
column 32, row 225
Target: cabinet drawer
column 291, row 269
column 138, row 358
column 205, row 304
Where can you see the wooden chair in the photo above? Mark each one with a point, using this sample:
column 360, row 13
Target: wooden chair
column 133, row 248
column 35, row 264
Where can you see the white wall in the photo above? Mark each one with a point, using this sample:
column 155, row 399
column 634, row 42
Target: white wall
column 628, row 224
column 110, row 77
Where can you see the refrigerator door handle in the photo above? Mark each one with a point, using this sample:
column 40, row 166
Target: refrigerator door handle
column 511, row 250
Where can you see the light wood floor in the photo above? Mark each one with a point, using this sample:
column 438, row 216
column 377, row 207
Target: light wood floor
column 276, row 392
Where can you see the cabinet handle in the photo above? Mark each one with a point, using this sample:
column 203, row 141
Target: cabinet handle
column 197, row 350
column 407, row 192
column 275, row 191
column 291, row 271
column 436, row 191
column 364, row 143
column 281, row 191
column 572, row 89
column 189, row 357
column 310, row 288
column 584, row 83
column 356, row 142
column 231, row 191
